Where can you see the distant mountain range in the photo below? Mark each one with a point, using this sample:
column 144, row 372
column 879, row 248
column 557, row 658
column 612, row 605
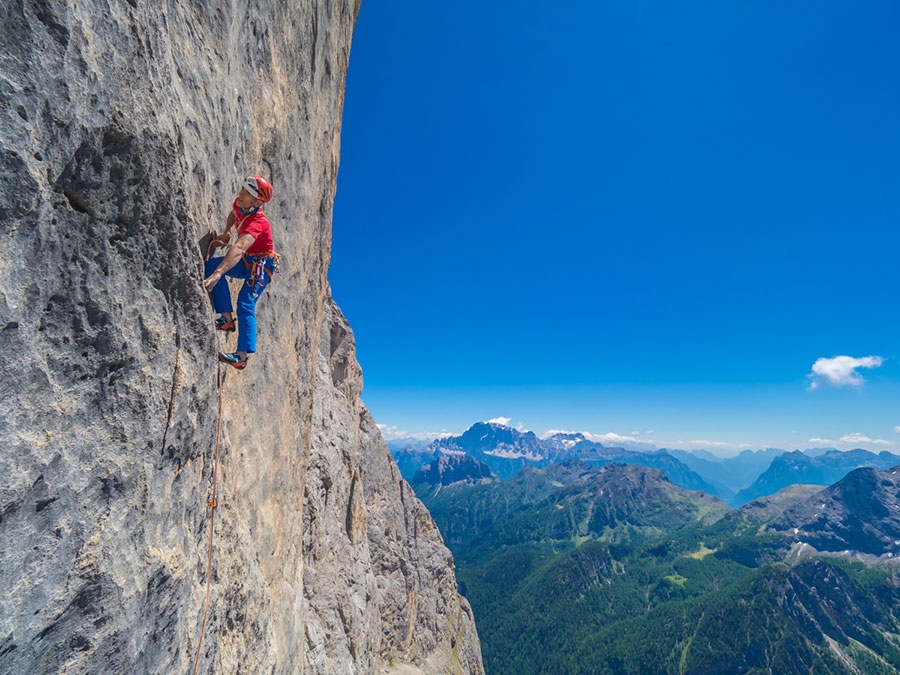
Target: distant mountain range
column 506, row 451
column 575, row 568
column 736, row 480
column 794, row 468
column 731, row 474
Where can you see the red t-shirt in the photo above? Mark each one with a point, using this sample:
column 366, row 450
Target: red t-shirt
column 256, row 225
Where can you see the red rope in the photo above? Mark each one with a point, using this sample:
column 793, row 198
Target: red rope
column 212, row 513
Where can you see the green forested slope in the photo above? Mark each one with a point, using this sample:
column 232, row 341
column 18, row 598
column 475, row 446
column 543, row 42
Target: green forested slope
column 615, row 573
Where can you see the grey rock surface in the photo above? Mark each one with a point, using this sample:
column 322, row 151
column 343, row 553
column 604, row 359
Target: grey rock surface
column 125, row 129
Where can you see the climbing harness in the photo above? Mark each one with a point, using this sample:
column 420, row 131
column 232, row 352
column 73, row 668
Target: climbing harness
column 212, row 512
column 263, row 267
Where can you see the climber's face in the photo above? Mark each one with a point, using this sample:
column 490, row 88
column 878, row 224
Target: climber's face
column 245, row 200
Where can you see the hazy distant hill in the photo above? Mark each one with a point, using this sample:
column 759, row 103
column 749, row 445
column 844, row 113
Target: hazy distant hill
column 731, row 473
column 797, row 467
column 411, row 454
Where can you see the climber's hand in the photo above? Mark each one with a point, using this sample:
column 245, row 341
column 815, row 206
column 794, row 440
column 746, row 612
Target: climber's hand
column 211, row 281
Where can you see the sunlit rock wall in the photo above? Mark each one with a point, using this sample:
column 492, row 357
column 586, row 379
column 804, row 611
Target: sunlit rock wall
column 125, row 129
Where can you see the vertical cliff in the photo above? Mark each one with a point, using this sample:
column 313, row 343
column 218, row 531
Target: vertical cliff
column 125, row 128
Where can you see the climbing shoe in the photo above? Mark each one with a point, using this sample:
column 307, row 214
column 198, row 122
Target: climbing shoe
column 233, row 359
column 225, row 324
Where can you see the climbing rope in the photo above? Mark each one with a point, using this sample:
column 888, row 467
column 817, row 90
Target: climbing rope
column 212, row 513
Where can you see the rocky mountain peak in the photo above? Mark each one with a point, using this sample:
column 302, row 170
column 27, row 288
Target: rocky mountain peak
column 861, row 513
column 486, row 436
column 453, row 468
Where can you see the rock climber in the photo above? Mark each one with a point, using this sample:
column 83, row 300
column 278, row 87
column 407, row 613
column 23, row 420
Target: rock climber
column 252, row 258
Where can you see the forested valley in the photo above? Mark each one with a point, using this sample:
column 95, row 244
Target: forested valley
column 582, row 569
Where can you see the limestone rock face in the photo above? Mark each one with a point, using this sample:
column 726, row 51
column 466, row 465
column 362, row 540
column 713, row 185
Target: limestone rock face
column 125, row 130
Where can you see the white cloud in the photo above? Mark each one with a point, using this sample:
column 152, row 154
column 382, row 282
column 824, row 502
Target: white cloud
column 552, row 432
column 718, row 444
column 392, row 433
column 500, row 420
column 840, row 371
column 855, row 439
column 612, row 438
column 897, row 429
column 597, row 438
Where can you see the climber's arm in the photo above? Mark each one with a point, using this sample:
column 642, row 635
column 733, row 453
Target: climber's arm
column 234, row 254
column 229, row 224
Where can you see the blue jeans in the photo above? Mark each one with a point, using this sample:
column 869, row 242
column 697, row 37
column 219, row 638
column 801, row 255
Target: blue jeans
column 246, row 300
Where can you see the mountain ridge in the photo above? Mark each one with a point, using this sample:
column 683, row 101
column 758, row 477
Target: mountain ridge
column 737, row 479
column 823, row 469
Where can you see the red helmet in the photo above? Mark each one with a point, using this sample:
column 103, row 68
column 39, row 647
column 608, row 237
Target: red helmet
column 259, row 187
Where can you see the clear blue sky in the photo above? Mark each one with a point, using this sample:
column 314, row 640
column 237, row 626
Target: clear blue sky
column 640, row 218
